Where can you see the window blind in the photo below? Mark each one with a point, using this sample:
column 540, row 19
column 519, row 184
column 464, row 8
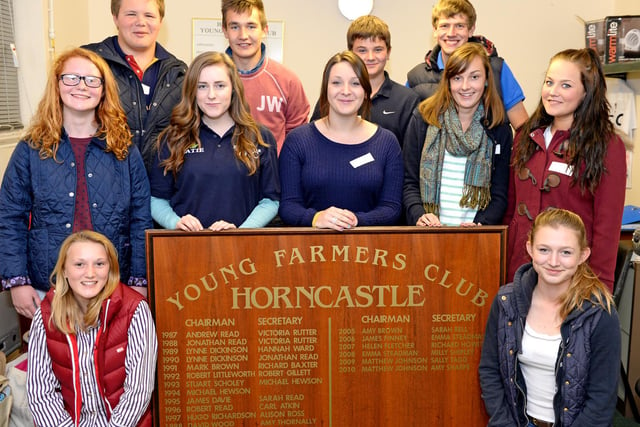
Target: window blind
column 9, row 94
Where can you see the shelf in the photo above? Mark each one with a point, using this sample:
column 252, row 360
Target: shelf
column 622, row 67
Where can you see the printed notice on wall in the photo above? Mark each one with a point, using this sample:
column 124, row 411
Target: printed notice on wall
column 300, row 327
column 208, row 36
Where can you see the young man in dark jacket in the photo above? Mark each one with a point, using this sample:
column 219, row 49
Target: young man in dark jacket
column 149, row 77
column 454, row 22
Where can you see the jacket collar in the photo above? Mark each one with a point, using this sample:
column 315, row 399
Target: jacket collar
column 537, row 135
column 433, row 59
column 100, row 142
column 525, row 281
column 160, row 52
column 111, row 305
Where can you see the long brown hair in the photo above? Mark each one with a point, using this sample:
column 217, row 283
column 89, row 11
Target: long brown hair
column 183, row 131
column 590, row 131
column 433, row 107
column 45, row 130
column 66, row 314
column 359, row 68
column 585, row 285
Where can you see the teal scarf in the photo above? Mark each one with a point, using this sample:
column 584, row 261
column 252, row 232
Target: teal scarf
column 474, row 144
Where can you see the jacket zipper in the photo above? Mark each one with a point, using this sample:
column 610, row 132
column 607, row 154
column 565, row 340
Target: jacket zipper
column 515, row 379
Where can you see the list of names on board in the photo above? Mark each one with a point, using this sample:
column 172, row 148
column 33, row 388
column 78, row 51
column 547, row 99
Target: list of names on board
column 254, row 338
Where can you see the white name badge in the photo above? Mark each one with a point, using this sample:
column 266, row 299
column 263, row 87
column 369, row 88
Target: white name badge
column 562, row 168
column 497, row 149
column 146, row 89
column 362, row 160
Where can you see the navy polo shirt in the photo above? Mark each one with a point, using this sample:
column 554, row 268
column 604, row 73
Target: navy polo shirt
column 212, row 184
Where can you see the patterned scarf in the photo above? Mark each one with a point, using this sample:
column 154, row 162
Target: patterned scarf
column 474, row 144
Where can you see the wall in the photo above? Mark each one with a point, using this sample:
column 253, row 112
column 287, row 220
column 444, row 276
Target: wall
column 526, row 33
column 314, row 30
column 31, row 78
column 31, row 48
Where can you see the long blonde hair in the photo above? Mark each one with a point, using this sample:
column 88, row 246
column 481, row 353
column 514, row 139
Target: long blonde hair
column 45, row 130
column 66, row 314
column 585, row 285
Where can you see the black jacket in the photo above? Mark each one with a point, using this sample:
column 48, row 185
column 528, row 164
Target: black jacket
column 145, row 123
column 425, row 77
column 37, row 208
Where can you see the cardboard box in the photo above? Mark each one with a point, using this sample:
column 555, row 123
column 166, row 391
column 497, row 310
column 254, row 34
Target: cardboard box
column 594, row 36
column 622, row 39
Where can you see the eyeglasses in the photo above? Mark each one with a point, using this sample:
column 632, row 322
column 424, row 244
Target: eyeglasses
column 74, row 80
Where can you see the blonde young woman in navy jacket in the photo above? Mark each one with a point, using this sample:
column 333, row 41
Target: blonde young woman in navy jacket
column 551, row 352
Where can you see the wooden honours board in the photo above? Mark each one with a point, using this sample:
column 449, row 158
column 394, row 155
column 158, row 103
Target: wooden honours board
column 300, row 327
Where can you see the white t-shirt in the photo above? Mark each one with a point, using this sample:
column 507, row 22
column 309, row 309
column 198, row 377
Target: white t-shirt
column 538, row 363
